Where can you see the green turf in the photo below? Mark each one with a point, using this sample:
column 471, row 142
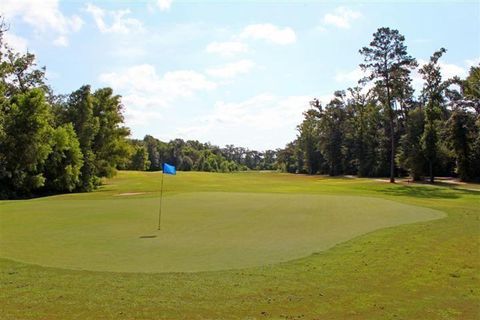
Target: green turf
column 201, row 231
column 424, row 270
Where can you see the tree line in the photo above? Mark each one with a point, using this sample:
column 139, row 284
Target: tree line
column 192, row 155
column 381, row 128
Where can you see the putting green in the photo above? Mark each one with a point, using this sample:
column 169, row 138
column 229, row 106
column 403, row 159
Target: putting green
column 201, row 231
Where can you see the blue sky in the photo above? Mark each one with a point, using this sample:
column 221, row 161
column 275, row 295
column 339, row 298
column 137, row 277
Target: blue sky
column 228, row 71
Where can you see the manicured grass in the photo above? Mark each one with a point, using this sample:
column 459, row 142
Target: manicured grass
column 202, row 231
column 426, row 270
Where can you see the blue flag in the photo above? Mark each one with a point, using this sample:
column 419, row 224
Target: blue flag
column 169, row 169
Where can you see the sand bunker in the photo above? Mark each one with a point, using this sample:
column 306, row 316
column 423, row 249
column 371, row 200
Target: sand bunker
column 129, row 194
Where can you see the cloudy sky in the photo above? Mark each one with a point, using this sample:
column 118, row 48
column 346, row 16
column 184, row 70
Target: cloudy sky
column 228, row 71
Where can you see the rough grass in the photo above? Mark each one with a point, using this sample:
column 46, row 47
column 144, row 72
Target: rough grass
column 426, row 270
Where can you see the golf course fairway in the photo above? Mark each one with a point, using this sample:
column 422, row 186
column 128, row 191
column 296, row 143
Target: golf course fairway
column 202, row 231
column 247, row 245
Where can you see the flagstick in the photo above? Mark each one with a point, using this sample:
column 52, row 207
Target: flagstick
column 160, row 210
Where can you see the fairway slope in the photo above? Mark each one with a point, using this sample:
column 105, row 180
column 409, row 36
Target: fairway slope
column 201, row 231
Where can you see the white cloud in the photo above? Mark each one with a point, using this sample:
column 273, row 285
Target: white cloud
column 17, row 43
column 341, row 17
column 76, row 23
column 120, row 23
column 450, row 70
column 231, row 70
column 135, row 116
column 128, row 51
column 227, row 49
column 145, row 92
column 43, row 16
column 144, row 79
column 164, row 5
column 350, row 76
column 417, row 81
column 321, row 29
column 263, row 121
column 269, row 33
column 61, row 41
column 265, row 31
column 473, row 62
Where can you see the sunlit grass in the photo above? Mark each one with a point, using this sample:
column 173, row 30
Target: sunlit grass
column 425, row 270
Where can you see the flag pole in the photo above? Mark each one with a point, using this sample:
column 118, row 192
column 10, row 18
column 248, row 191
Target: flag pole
column 160, row 210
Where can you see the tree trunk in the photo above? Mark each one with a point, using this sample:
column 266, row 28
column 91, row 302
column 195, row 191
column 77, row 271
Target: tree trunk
column 392, row 134
column 432, row 178
column 392, row 154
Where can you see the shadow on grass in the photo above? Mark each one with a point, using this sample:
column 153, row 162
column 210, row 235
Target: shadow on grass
column 44, row 194
column 448, row 183
column 444, row 192
column 147, row 237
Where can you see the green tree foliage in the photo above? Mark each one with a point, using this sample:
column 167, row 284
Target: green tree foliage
column 139, row 159
column 79, row 112
column 24, row 75
column 109, row 143
column 460, row 132
column 98, row 122
column 462, row 128
column 363, row 124
column 54, row 143
column 208, row 162
column 471, row 88
column 62, row 168
column 187, row 164
column 308, row 138
column 471, row 93
column 287, row 158
column 475, row 155
column 26, row 144
column 411, row 156
column 154, row 150
column 332, row 134
column 268, row 160
column 432, row 98
column 389, row 64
